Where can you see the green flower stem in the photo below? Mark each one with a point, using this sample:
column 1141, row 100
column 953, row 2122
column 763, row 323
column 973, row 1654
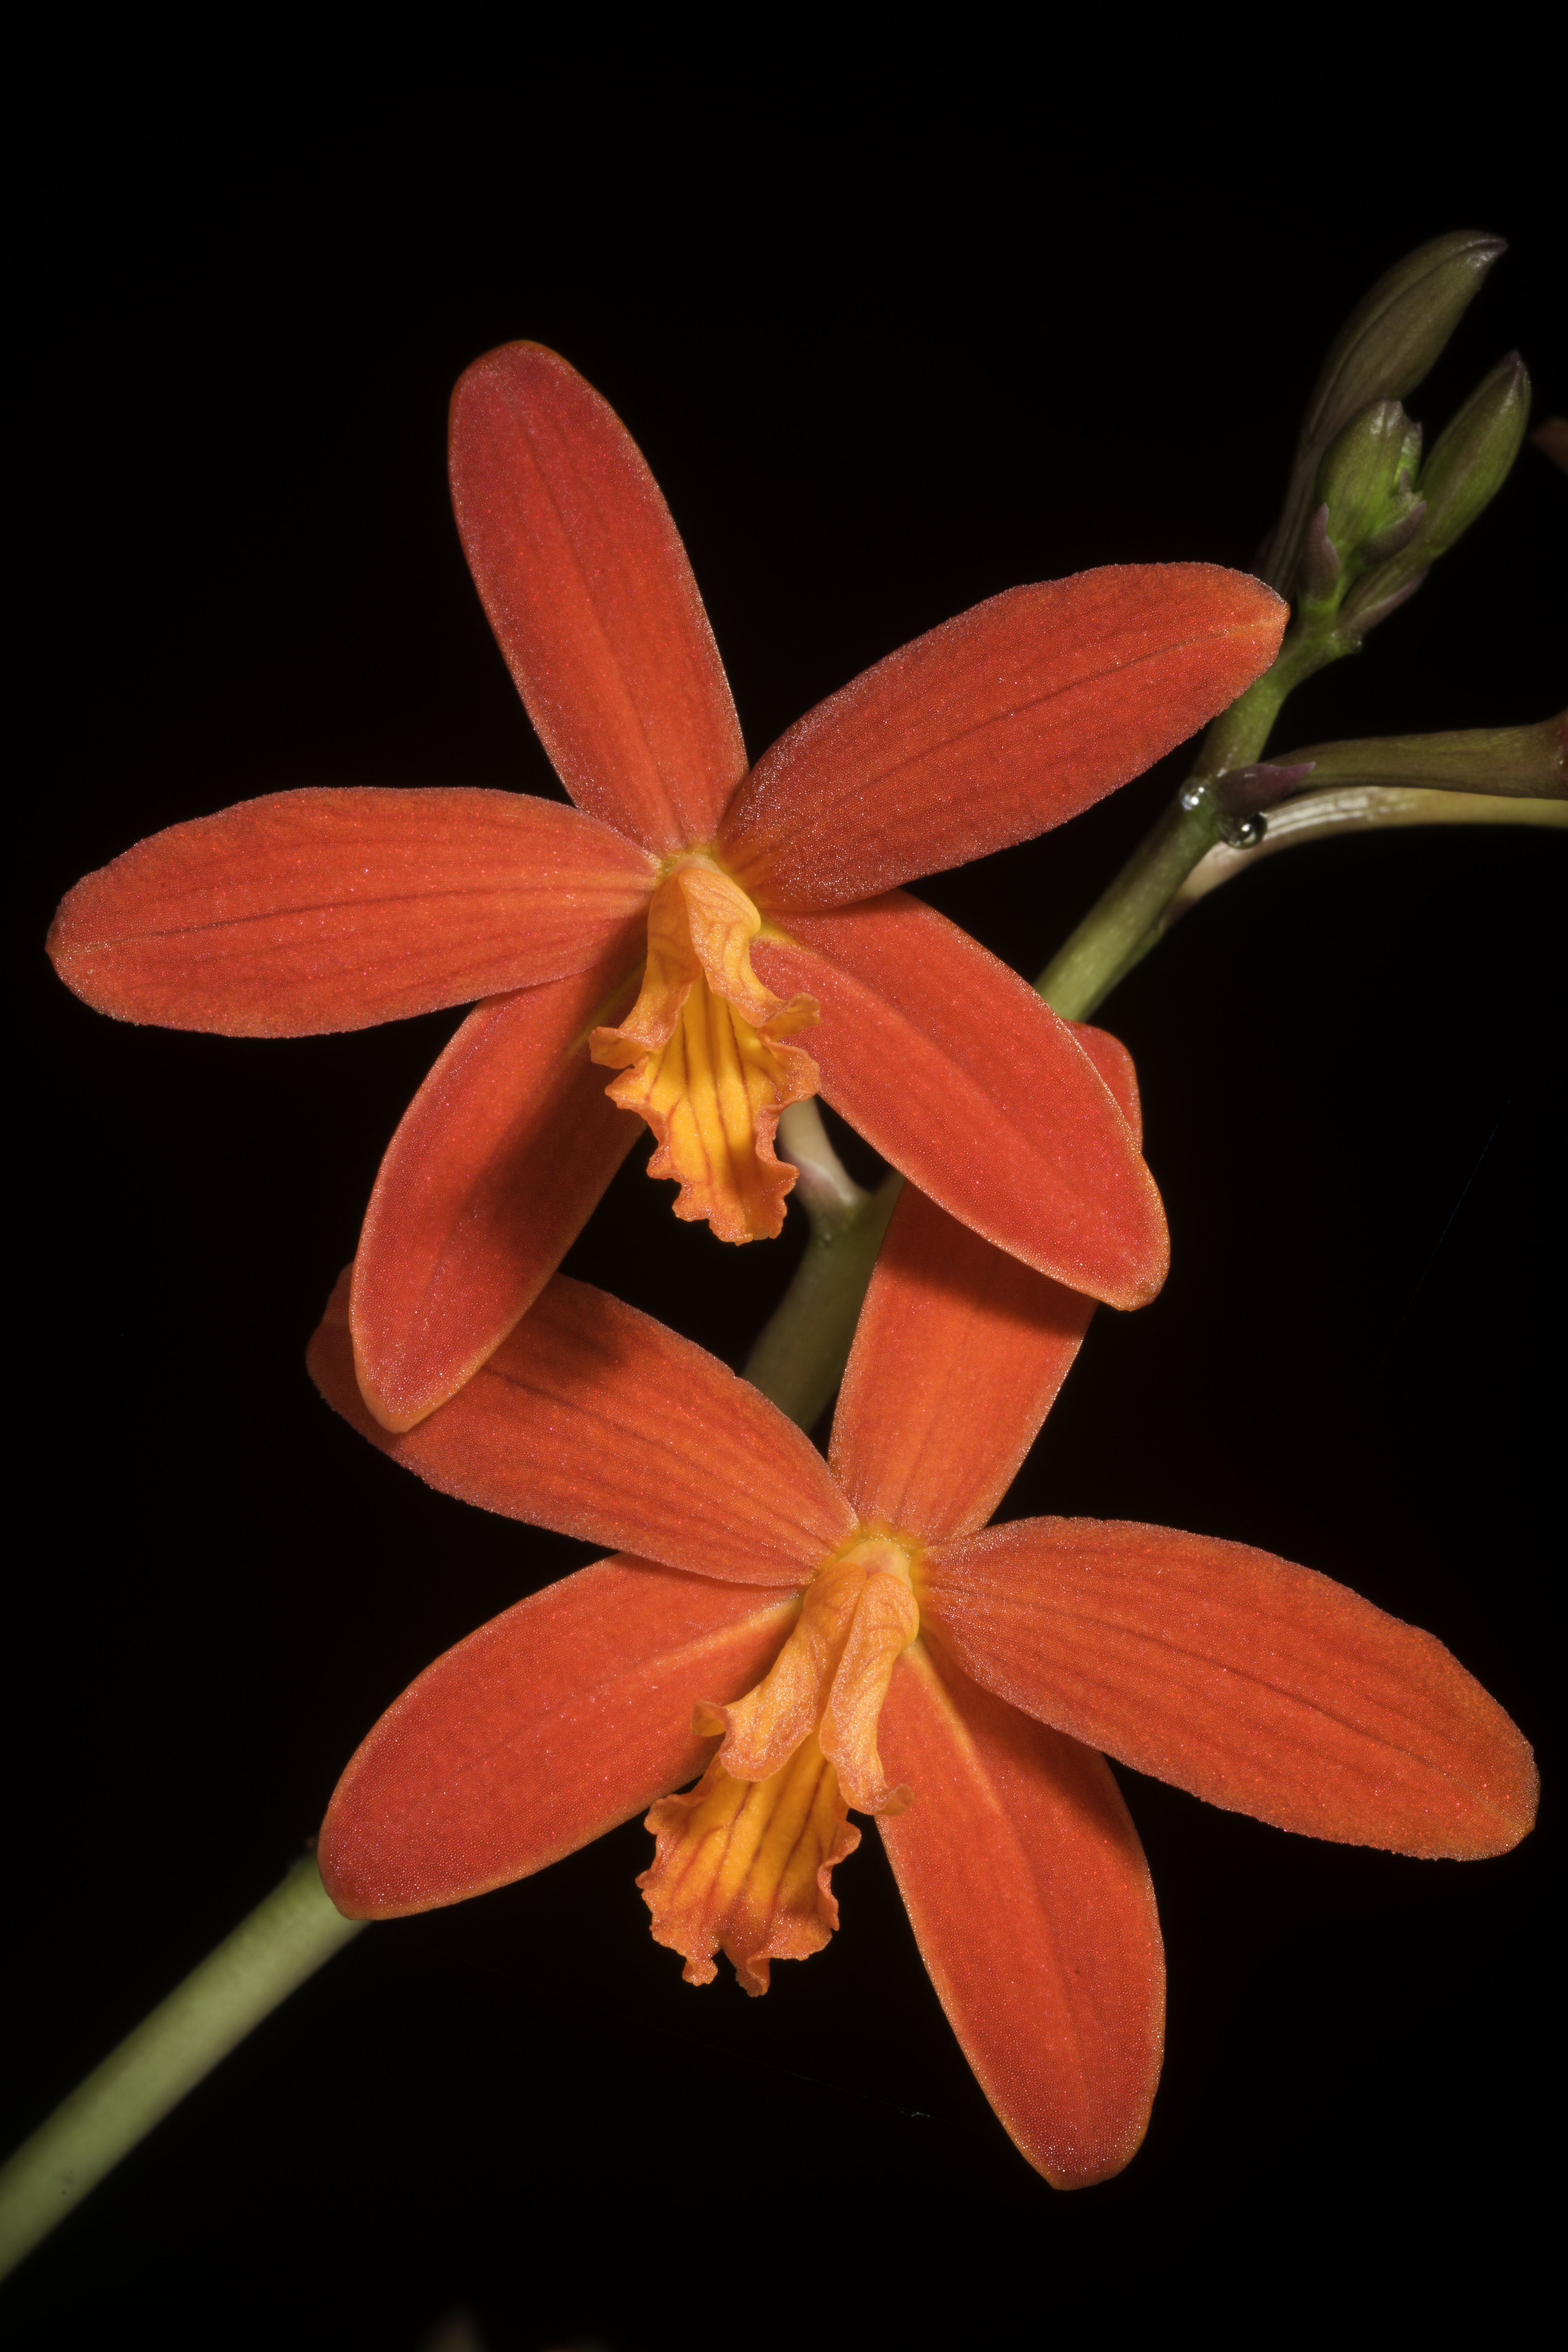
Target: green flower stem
column 801, row 1352
column 1125, row 922
column 1237, row 736
column 285, row 1939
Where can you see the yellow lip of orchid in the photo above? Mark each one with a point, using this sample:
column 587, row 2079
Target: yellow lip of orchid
column 744, row 1861
column 745, row 1867
column 704, row 1054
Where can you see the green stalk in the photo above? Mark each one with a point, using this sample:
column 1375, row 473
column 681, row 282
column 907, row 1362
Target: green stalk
column 285, row 1939
column 801, row 1350
column 1126, row 922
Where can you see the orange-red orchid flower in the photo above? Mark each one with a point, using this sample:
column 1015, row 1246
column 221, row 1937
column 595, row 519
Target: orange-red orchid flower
column 691, row 920
column 810, row 1637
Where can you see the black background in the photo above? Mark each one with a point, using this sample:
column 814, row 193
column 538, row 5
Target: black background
column 883, row 365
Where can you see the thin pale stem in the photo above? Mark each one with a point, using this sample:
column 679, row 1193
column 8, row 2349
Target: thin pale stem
column 285, row 1940
column 1358, row 808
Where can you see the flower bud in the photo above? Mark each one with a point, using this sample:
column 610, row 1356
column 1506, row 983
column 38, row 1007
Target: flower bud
column 1472, row 459
column 1381, row 354
column 1367, row 487
column 1374, row 458
column 1468, row 465
column 1392, row 336
column 1521, row 762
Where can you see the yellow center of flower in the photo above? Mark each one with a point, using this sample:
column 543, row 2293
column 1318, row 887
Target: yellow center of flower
column 704, row 1056
column 745, row 1859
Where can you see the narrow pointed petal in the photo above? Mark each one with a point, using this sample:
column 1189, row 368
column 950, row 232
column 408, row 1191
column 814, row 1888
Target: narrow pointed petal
column 1030, row 1900
column 596, row 1420
column 320, row 910
column 995, row 727
column 1257, row 1685
column 588, row 589
column 954, row 1069
column 496, row 1167
column 958, row 1357
column 551, row 1724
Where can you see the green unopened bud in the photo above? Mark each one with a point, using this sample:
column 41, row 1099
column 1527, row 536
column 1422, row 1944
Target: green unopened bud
column 1392, row 339
column 1366, row 493
column 1469, row 462
column 1516, row 763
column 1382, row 352
column 1472, row 459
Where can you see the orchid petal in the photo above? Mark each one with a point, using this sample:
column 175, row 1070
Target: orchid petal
column 588, row 589
column 952, row 1068
column 1031, row 1902
column 958, row 1357
column 995, row 727
column 495, row 1168
column 551, row 1724
column 957, row 1360
column 322, row 911
column 596, row 1420
column 1257, row 1685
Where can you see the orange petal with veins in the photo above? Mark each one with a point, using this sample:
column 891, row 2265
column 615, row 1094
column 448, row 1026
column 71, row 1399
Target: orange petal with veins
column 996, row 727
column 1030, row 1900
column 496, row 1167
column 958, row 1357
column 596, row 1420
column 553, row 1723
column 590, row 594
column 952, row 1068
column 1257, row 1685
column 319, row 910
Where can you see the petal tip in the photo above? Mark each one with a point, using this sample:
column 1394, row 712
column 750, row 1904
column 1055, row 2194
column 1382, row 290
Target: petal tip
column 395, row 1414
